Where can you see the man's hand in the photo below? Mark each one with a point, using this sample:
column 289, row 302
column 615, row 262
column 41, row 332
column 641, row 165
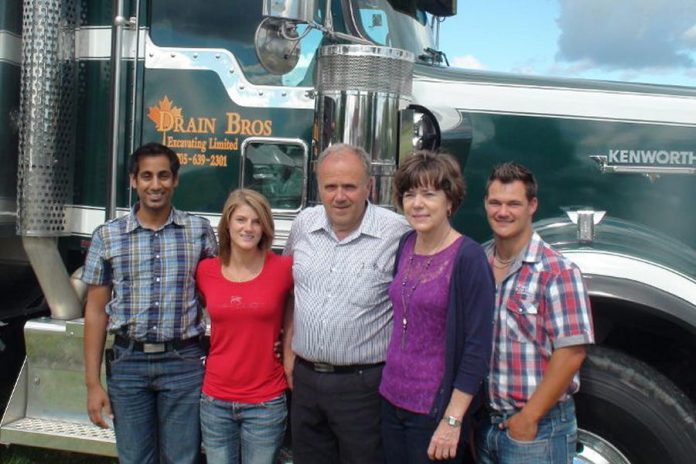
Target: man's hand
column 278, row 350
column 563, row 365
column 98, row 400
column 289, row 365
column 443, row 444
column 521, row 427
column 288, row 330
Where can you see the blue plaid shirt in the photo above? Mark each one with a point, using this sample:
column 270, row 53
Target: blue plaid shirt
column 152, row 273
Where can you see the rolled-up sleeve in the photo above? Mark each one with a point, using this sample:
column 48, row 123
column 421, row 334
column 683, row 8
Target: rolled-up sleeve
column 568, row 315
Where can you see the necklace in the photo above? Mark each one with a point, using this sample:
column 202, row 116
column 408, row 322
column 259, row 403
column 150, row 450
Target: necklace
column 503, row 262
column 412, row 288
column 406, row 302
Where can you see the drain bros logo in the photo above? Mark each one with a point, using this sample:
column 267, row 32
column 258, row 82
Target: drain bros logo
column 194, row 138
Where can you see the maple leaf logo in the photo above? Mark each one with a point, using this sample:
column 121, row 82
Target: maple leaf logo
column 165, row 115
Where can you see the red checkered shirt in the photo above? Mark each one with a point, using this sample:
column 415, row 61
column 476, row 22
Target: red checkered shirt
column 541, row 305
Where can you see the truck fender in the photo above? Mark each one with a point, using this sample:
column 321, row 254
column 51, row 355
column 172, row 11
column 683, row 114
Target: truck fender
column 627, row 262
column 633, row 280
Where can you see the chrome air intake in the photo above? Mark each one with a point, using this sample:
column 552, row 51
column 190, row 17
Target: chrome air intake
column 361, row 91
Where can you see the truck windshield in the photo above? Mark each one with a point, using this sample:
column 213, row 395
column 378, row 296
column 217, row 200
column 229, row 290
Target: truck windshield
column 378, row 22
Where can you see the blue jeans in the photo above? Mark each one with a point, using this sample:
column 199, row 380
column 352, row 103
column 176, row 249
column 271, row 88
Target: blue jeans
column 258, row 428
column 554, row 443
column 406, row 436
column 155, row 398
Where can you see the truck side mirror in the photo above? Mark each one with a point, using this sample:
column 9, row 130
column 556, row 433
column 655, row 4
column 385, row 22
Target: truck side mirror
column 277, row 45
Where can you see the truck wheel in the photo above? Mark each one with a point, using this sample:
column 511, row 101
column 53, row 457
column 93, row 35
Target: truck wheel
column 630, row 413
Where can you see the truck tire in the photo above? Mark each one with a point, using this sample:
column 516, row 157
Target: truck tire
column 630, row 413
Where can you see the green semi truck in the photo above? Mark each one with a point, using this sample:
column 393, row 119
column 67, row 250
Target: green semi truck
column 248, row 94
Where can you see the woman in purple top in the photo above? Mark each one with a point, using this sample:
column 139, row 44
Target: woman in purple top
column 443, row 295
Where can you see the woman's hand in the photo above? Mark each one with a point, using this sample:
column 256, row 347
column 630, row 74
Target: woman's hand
column 443, row 444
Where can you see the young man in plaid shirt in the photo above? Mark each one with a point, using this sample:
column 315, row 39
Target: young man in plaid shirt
column 541, row 326
column 140, row 269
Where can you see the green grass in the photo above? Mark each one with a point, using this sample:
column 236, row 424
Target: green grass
column 25, row 455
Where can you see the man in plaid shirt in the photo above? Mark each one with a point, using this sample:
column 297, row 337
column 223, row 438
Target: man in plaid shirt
column 541, row 327
column 140, row 269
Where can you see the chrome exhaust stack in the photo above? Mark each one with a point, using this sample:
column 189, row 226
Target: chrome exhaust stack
column 46, row 145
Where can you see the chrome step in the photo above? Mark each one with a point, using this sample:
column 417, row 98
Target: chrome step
column 63, row 435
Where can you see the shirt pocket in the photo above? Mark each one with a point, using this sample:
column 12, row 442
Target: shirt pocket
column 522, row 319
column 366, row 284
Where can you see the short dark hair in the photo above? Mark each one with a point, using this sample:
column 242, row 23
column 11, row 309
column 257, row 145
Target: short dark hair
column 426, row 168
column 153, row 149
column 509, row 172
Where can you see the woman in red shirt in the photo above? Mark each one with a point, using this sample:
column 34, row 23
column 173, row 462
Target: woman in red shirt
column 246, row 290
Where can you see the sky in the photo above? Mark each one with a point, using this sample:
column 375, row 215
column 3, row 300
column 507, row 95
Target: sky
column 651, row 41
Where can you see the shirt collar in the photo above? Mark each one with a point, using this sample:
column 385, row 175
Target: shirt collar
column 176, row 217
column 368, row 226
column 532, row 253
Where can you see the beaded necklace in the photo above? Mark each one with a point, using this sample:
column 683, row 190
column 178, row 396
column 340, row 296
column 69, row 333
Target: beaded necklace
column 412, row 288
column 406, row 302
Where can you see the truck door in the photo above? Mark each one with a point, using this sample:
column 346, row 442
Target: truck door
column 206, row 95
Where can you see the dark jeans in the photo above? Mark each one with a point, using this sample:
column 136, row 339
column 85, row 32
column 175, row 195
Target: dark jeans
column 155, row 400
column 335, row 417
column 406, row 436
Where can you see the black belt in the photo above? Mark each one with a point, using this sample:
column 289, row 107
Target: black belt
column 161, row 347
column 326, row 368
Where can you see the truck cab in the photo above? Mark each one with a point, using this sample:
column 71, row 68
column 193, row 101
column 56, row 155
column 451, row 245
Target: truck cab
column 249, row 93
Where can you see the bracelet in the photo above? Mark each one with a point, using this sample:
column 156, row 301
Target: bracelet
column 452, row 421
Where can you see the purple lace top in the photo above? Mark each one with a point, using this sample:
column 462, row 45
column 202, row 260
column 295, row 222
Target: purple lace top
column 416, row 354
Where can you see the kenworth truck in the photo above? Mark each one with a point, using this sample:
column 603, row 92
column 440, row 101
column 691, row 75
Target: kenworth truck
column 249, row 92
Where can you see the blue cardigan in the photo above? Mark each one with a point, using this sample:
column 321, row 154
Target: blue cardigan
column 469, row 327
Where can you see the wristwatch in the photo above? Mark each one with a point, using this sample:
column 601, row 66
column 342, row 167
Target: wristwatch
column 452, row 421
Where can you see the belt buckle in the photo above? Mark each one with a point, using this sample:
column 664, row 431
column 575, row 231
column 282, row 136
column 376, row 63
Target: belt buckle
column 323, row 367
column 154, row 347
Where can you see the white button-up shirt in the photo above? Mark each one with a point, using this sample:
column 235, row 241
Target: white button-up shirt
column 343, row 315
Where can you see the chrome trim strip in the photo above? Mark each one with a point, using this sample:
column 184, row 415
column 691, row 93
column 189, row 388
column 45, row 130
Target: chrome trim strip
column 83, row 219
column 627, row 267
column 94, row 43
column 225, row 65
column 10, row 48
column 606, row 167
column 441, row 96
